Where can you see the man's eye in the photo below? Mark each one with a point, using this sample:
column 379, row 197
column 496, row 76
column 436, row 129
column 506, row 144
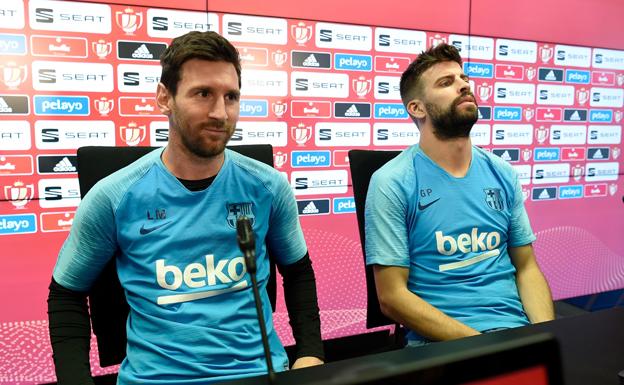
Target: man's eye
column 203, row 94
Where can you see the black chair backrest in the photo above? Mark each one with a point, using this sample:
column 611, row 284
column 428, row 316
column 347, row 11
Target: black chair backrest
column 363, row 163
column 107, row 301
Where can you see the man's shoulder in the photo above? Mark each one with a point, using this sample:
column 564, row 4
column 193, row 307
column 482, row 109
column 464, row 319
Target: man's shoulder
column 258, row 171
column 497, row 163
column 397, row 170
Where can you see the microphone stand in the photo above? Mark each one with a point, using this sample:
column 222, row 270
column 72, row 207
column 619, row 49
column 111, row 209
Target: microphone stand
column 247, row 244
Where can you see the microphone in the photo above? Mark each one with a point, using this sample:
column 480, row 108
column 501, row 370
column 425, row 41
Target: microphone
column 247, row 244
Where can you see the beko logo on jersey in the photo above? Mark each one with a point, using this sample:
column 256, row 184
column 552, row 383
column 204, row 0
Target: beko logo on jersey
column 353, row 62
column 254, row 108
column 514, row 50
column 518, row 93
column 559, row 95
column 14, row 135
column 390, row 111
column 310, row 159
column 508, row 113
column 605, row 135
column 473, row 47
column 319, row 84
column 342, row 134
column 607, row 97
column 399, row 40
column 473, row 242
column 72, row 76
column 319, row 182
column 302, row 59
column 66, row 16
column 253, row 29
column 352, row 110
column 479, row 70
column 167, row 23
column 342, row 36
column 61, row 105
column 12, row 14
column 567, row 134
column 12, row 44
column 138, row 50
column 62, row 192
column 71, row 134
column 264, row 83
column 14, row 105
column 138, row 78
column 512, row 134
column 18, row 224
column 249, row 132
column 395, row 134
column 219, row 276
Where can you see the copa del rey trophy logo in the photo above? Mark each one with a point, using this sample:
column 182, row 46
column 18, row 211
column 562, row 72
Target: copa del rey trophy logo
column 484, row 91
column 436, row 39
column 301, row 133
column 541, row 134
column 530, row 73
column 279, row 108
column 582, row 96
column 546, row 53
column 301, row 32
column 362, row 86
column 13, row 75
column 528, row 114
column 577, row 172
column 129, row 20
column 102, row 48
column 104, row 105
column 279, row 57
column 19, row 194
column 132, row 134
column 279, row 159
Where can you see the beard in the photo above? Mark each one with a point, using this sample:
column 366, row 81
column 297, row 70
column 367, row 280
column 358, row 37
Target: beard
column 450, row 123
column 197, row 142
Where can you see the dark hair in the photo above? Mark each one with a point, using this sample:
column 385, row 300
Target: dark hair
column 196, row 45
column 410, row 79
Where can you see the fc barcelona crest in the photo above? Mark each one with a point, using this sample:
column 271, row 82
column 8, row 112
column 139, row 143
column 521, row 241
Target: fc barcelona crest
column 236, row 210
column 494, row 199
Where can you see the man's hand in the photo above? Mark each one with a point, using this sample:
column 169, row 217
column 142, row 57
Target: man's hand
column 304, row 362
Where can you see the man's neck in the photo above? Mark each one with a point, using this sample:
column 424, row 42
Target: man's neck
column 183, row 164
column 452, row 155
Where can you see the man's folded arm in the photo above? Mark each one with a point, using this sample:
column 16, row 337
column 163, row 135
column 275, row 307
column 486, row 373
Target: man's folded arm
column 408, row 309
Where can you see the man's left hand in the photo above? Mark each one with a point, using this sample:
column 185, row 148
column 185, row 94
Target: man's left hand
column 304, row 362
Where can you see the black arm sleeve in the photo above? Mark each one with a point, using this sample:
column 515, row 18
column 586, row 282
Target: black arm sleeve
column 302, row 305
column 70, row 335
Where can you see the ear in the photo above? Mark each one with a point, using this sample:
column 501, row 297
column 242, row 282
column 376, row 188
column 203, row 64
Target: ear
column 416, row 108
column 163, row 99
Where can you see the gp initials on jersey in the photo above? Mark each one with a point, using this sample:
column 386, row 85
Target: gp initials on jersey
column 473, row 242
column 226, row 272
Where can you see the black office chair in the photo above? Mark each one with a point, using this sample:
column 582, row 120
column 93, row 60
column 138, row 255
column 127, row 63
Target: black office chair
column 363, row 163
column 107, row 301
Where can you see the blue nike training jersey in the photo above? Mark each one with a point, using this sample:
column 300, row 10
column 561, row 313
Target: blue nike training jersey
column 452, row 233
column 192, row 314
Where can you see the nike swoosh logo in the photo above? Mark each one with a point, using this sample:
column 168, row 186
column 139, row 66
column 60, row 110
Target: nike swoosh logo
column 146, row 230
column 422, row 207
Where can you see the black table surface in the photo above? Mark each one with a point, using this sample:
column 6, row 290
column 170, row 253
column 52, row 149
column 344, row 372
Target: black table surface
column 591, row 346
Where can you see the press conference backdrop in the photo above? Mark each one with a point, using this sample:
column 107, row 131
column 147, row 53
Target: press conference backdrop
column 76, row 74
